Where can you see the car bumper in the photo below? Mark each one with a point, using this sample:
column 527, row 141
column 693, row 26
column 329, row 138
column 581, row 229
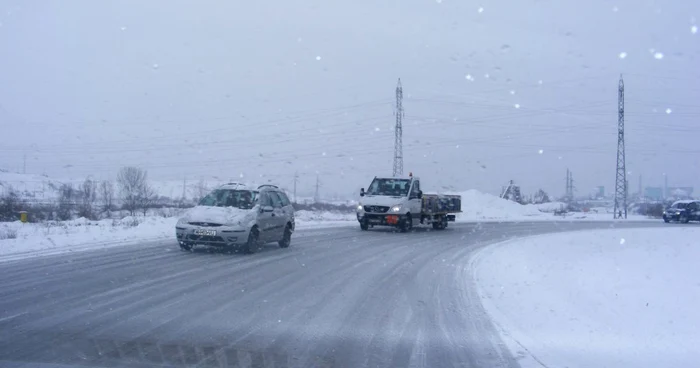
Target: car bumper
column 224, row 236
column 672, row 217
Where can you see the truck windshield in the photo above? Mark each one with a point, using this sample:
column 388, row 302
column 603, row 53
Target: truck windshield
column 244, row 199
column 389, row 187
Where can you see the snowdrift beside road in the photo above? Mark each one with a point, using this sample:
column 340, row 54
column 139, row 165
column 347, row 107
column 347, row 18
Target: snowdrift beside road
column 477, row 206
column 598, row 298
column 19, row 240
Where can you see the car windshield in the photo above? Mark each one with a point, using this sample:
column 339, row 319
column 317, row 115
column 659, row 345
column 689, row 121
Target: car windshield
column 244, row 199
column 680, row 205
column 389, row 187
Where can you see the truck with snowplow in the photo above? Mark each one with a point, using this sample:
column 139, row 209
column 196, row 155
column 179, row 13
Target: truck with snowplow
column 400, row 202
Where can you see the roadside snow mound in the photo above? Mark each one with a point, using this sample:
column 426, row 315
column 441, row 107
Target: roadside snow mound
column 549, row 207
column 478, row 206
column 596, row 298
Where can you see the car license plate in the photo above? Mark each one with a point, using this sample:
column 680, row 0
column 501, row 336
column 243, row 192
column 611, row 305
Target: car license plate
column 205, row 232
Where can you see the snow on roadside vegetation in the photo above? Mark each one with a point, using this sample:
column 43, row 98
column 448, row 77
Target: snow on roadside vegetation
column 598, row 298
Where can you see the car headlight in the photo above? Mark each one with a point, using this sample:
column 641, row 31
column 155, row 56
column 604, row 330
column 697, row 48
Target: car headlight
column 678, row 213
column 396, row 209
column 359, row 207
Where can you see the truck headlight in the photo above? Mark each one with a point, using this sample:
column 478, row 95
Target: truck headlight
column 396, row 209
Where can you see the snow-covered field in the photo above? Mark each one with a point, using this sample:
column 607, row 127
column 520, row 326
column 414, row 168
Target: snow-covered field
column 603, row 298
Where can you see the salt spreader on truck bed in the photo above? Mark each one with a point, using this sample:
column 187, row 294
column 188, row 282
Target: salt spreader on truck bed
column 399, row 202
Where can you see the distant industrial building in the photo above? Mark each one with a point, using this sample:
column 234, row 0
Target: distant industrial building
column 657, row 193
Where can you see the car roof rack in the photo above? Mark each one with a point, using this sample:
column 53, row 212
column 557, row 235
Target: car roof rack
column 237, row 185
column 268, row 186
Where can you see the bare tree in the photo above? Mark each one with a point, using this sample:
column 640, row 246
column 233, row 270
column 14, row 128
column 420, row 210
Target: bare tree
column 131, row 182
column 147, row 197
column 87, row 196
column 200, row 190
column 107, row 195
column 66, row 202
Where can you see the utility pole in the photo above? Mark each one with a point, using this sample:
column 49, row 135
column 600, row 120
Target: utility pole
column 316, row 193
column 184, row 188
column 641, row 195
column 296, row 179
column 398, row 132
column 620, row 210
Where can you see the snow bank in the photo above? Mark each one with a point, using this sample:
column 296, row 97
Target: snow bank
column 603, row 298
column 19, row 240
column 307, row 219
column 478, row 206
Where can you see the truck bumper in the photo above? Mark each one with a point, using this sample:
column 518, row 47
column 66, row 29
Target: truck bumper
column 379, row 219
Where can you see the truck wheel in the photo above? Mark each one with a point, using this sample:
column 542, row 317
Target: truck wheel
column 440, row 225
column 364, row 225
column 406, row 224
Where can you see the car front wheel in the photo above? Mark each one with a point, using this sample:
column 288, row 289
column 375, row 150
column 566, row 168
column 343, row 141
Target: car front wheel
column 286, row 238
column 251, row 246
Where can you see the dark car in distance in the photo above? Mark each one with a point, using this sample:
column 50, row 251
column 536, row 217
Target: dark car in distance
column 683, row 211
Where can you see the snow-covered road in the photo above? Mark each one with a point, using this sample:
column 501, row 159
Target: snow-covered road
column 603, row 298
column 339, row 297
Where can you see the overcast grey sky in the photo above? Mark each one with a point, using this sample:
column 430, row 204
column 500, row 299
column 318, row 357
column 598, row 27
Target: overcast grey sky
column 493, row 90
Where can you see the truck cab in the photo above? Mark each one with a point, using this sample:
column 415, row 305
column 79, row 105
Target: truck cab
column 391, row 201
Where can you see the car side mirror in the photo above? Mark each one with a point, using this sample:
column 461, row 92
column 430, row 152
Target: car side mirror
column 267, row 209
column 362, row 192
column 420, row 194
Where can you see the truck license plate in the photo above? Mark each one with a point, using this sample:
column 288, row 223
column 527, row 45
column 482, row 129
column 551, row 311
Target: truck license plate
column 205, row 232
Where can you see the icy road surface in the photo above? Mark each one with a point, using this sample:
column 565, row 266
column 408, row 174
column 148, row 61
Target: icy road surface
column 337, row 298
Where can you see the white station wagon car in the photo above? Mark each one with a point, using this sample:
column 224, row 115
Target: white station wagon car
column 238, row 217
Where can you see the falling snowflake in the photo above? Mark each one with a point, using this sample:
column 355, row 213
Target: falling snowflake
column 438, row 1
column 156, row 66
column 457, row 146
column 376, row 129
column 323, row 154
column 623, row 55
column 622, row 241
column 512, row 92
column 123, row 28
column 541, row 151
column 694, row 29
column 469, row 77
column 668, row 111
column 540, row 82
column 615, row 9
column 517, row 106
column 299, row 39
column 481, row 10
column 241, row 175
column 487, row 76
column 658, row 56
